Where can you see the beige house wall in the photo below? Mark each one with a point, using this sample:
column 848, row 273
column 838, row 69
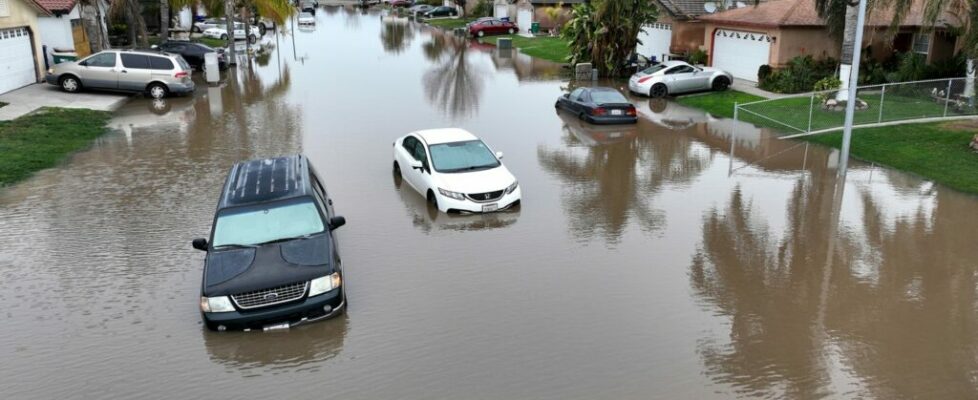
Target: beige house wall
column 687, row 36
column 23, row 14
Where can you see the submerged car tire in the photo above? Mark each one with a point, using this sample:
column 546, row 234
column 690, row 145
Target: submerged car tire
column 195, row 29
column 262, row 29
column 397, row 169
column 432, row 199
column 252, row 38
column 721, row 83
column 157, row 90
column 658, row 90
column 69, row 83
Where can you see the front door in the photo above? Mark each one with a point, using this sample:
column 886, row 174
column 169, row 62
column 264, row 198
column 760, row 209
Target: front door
column 99, row 71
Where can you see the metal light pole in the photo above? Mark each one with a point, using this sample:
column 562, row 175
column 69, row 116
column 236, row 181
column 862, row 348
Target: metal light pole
column 853, row 82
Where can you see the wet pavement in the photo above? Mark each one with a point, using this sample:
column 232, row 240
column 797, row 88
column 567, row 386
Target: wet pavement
column 684, row 257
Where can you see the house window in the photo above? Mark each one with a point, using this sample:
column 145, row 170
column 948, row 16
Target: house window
column 921, row 43
column 4, row 9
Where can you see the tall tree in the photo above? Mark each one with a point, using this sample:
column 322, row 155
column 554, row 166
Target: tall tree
column 132, row 12
column 605, row 32
column 841, row 23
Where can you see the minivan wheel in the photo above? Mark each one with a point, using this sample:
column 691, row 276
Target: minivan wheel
column 397, row 169
column 156, row 90
column 70, row 84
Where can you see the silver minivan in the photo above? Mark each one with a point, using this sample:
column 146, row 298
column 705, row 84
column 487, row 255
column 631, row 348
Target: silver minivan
column 155, row 73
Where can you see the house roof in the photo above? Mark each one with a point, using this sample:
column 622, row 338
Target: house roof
column 684, row 8
column 801, row 13
column 56, row 6
column 37, row 6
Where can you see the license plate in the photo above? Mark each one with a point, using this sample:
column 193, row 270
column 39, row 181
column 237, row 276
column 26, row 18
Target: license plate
column 615, row 112
column 276, row 327
column 490, row 207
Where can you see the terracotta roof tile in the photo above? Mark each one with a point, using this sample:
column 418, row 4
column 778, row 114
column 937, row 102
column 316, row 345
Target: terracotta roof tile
column 57, row 5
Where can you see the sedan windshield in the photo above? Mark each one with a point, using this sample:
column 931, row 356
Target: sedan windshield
column 462, row 156
column 653, row 69
column 607, row 96
column 276, row 221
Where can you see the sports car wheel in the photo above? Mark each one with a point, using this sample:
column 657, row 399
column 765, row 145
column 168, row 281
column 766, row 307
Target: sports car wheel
column 721, row 83
column 658, row 90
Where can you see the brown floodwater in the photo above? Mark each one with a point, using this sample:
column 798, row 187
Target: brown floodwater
column 684, row 257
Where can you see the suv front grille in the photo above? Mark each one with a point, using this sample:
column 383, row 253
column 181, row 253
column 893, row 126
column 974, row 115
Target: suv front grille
column 269, row 297
column 485, row 197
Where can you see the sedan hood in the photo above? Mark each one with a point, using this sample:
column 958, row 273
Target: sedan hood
column 234, row 271
column 488, row 180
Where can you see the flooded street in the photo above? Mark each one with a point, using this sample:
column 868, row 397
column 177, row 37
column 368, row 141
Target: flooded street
column 685, row 257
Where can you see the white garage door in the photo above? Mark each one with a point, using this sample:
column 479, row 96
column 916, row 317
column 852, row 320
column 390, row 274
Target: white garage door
column 740, row 53
column 655, row 40
column 16, row 59
column 502, row 11
column 524, row 19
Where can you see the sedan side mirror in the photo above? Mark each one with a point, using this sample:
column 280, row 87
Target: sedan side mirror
column 499, row 155
column 416, row 164
column 200, row 244
column 336, row 222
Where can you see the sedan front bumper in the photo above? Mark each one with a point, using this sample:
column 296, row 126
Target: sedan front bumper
column 447, row 204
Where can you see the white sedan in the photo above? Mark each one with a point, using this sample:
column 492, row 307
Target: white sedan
column 307, row 19
column 221, row 32
column 455, row 171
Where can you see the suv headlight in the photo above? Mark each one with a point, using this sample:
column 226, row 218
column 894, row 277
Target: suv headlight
column 451, row 194
column 513, row 187
column 216, row 304
column 324, row 284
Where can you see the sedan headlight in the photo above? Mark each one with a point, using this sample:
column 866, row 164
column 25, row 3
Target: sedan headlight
column 216, row 304
column 324, row 284
column 512, row 187
column 451, row 194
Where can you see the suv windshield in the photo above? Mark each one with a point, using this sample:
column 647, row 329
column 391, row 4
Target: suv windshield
column 249, row 226
column 462, row 156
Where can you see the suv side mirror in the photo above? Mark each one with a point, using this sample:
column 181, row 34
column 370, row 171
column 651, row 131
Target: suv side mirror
column 200, row 244
column 336, row 222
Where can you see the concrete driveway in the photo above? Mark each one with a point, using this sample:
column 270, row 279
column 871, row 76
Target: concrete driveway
column 29, row 98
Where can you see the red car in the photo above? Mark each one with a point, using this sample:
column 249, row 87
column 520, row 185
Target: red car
column 492, row 27
column 402, row 3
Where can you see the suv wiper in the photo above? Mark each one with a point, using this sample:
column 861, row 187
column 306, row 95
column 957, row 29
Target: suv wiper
column 285, row 239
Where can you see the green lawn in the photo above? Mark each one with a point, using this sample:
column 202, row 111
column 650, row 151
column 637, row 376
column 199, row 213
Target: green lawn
column 43, row 139
column 449, row 23
column 720, row 104
column 548, row 48
column 936, row 151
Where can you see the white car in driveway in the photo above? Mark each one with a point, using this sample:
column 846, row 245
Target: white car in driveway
column 220, row 32
column 674, row 77
column 455, row 171
column 307, row 19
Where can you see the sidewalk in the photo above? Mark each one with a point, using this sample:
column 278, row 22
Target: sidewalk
column 751, row 88
column 25, row 100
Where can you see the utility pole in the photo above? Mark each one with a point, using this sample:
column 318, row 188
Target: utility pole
column 853, row 82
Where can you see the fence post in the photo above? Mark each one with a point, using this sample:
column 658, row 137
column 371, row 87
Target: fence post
column 733, row 135
column 882, row 96
column 947, row 97
column 811, row 110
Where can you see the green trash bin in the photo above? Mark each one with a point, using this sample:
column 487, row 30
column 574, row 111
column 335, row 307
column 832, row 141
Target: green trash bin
column 535, row 28
column 59, row 56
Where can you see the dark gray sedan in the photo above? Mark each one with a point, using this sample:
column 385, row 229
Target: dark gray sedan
column 598, row 105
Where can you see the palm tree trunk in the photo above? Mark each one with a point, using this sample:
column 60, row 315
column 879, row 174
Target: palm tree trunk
column 229, row 19
column 245, row 15
column 164, row 20
column 848, row 45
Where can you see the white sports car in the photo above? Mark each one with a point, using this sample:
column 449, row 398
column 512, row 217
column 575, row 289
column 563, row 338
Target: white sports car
column 673, row 77
column 455, row 171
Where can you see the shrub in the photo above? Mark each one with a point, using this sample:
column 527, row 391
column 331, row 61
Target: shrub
column 824, row 85
column 697, row 57
column 482, row 9
column 912, row 67
column 763, row 73
column 799, row 75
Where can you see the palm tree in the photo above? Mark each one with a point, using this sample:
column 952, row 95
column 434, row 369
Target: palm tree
column 605, row 32
column 831, row 11
column 131, row 12
column 275, row 10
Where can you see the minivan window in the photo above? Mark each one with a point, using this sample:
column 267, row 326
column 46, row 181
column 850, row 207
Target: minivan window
column 134, row 61
column 161, row 63
column 101, row 60
column 249, row 226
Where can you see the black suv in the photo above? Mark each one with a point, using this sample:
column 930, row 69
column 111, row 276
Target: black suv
column 272, row 260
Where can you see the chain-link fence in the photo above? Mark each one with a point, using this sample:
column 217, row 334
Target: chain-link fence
column 820, row 112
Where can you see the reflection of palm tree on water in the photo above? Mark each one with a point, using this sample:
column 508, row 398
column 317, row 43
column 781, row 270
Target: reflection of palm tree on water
column 453, row 84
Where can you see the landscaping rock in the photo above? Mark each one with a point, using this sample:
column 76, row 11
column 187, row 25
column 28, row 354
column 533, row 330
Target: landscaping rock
column 582, row 71
column 831, row 103
column 974, row 143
